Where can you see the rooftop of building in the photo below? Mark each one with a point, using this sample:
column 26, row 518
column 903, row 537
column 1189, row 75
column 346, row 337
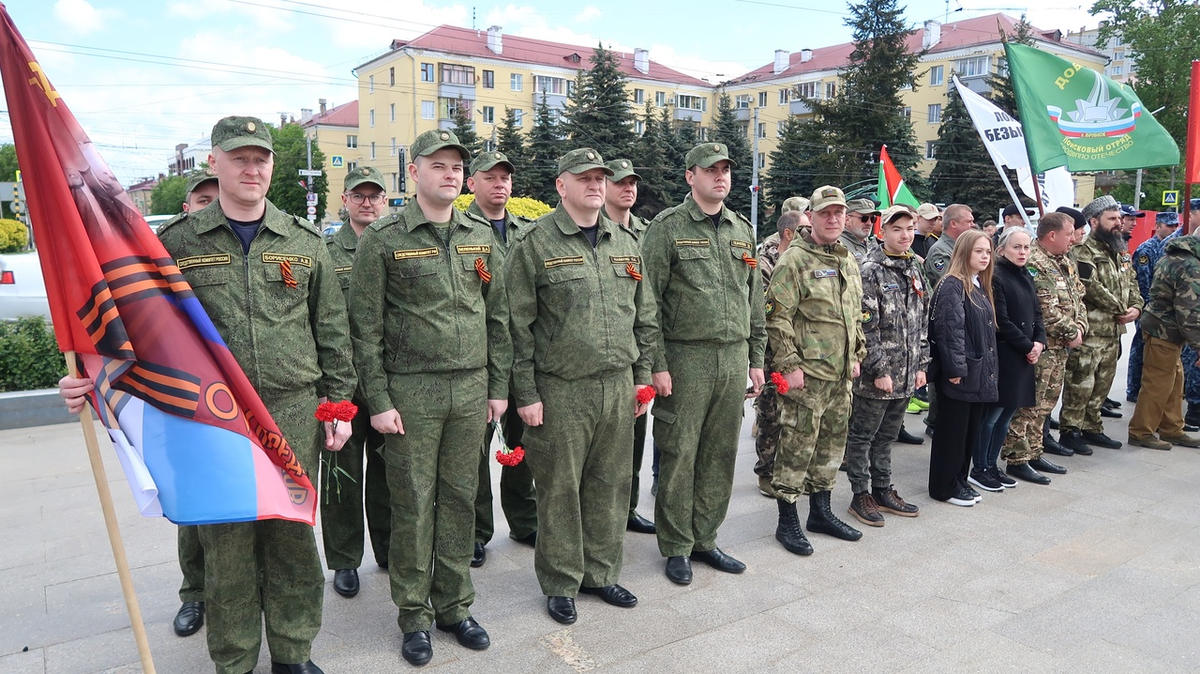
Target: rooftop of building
column 345, row 114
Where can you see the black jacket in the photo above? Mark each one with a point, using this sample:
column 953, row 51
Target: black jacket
column 962, row 339
column 1018, row 326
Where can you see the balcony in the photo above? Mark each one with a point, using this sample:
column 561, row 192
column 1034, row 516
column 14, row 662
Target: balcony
column 465, row 91
column 800, row 106
column 976, row 83
column 555, row 101
column 685, row 115
column 743, row 114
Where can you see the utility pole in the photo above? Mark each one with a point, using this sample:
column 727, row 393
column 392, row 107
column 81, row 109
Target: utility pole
column 754, row 177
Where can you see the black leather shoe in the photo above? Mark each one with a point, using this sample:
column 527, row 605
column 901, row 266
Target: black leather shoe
column 1053, row 424
column 417, row 648
column 679, row 570
column 530, row 539
column 1073, row 440
column 640, row 525
column 908, row 438
column 345, row 582
column 1051, row 446
column 479, row 556
column 1022, row 471
column 562, row 609
column 1188, row 428
column 929, row 431
column 190, row 618
column 718, row 560
column 1101, row 440
column 1111, row 414
column 612, row 594
column 469, row 633
column 303, row 668
column 1110, row 404
column 1040, row 464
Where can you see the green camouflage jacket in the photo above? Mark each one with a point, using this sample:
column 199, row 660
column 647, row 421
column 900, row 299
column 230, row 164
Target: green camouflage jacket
column 513, row 228
column 1060, row 295
column 341, row 245
column 636, row 225
column 895, row 307
column 1110, row 286
column 1173, row 314
column 420, row 304
column 290, row 341
column 577, row 311
column 814, row 311
column 705, row 289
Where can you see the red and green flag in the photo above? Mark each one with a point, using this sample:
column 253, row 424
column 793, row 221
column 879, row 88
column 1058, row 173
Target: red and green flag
column 892, row 190
column 1075, row 117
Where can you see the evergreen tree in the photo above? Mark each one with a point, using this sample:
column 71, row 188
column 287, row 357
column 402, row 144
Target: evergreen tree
column 291, row 155
column 545, row 146
column 732, row 132
column 598, row 114
column 790, row 174
column 650, row 155
column 964, row 173
column 685, row 137
column 464, row 128
column 511, row 142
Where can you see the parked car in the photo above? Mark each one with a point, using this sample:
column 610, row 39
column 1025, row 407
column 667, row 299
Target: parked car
column 22, row 288
column 331, row 229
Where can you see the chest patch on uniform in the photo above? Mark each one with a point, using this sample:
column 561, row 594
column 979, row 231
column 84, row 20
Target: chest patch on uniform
column 769, row 308
column 343, row 270
column 276, row 258
column 553, row 262
column 1143, row 259
column 1033, row 273
column 692, row 242
column 939, row 265
column 741, row 244
column 482, row 249
column 625, row 259
column 825, row 273
column 891, row 287
column 414, row 253
column 866, row 317
column 201, row 261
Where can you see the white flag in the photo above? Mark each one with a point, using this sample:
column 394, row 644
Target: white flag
column 1005, row 142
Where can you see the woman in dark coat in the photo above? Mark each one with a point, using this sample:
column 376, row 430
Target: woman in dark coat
column 1020, row 339
column 962, row 333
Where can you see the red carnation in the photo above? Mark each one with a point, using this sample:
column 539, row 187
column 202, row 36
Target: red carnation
column 346, row 411
column 510, row 457
column 326, row 412
column 781, row 385
column 645, row 394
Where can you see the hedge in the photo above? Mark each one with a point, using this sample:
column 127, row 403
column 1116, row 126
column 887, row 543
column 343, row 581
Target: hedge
column 29, row 356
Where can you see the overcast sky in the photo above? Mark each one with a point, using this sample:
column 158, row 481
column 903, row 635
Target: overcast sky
column 145, row 75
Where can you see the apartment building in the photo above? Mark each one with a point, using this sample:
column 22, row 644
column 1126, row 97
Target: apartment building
column 335, row 132
column 1121, row 66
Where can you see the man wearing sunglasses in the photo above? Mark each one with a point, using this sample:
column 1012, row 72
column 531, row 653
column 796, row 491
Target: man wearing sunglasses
column 859, row 235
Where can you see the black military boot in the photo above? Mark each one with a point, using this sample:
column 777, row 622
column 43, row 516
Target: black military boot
column 1050, row 445
column 1192, row 418
column 788, row 532
column 821, row 519
column 1073, row 440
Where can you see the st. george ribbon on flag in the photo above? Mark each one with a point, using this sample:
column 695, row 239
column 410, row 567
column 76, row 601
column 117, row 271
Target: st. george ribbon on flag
column 193, row 437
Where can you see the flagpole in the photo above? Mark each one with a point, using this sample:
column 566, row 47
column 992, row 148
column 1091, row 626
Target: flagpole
column 114, row 532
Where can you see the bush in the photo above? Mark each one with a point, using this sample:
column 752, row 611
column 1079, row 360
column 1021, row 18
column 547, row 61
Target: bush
column 522, row 207
column 13, row 236
column 29, row 356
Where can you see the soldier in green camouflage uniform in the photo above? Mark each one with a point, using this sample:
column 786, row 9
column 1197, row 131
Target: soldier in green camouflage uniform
column 490, row 180
column 1060, row 296
column 291, row 340
column 814, row 323
column 701, row 269
column 356, row 474
column 431, row 340
column 619, row 198
column 1112, row 299
column 583, row 334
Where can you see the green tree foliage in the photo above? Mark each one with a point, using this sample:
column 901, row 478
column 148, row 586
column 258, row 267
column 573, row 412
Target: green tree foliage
column 728, row 129
column 464, row 128
column 598, row 114
column 651, row 155
column 545, row 146
column 29, row 356
column 511, row 142
column 796, row 162
column 964, row 173
column 167, row 196
column 8, row 173
column 291, row 155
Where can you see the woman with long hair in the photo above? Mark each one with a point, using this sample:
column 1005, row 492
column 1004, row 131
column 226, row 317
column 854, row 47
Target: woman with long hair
column 962, row 334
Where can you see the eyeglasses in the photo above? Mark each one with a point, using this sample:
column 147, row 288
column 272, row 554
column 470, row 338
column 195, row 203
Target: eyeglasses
column 867, row 218
column 357, row 198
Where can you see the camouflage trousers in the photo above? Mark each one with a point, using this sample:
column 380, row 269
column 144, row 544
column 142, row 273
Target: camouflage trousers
column 697, row 428
column 813, row 440
column 581, row 461
column 1160, row 402
column 1024, row 440
column 266, row 569
column 518, row 497
column 1091, row 369
column 354, row 481
column 431, row 472
column 766, row 441
column 191, row 563
column 874, row 424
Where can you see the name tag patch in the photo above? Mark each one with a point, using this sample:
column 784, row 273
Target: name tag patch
column 276, row 258
column 825, row 273
column 414, row 253
column 553, row 262
column 343, row 270
column 473, row 250
column 625, row 259
column 202, row 261
column 891, row 286
column 741, row 244
column 692, row 242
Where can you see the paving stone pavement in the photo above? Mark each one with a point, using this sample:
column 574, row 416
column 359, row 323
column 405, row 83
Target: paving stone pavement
column 1098, row 572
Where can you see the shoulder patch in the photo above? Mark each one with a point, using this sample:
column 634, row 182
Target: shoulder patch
column 939, row 265
column 866, row 317
column 769, row 308
column 1033, row 273
column 310, row 227
column 1143, row 259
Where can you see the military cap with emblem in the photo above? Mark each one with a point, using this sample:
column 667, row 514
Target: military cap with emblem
column 826, row 196
column 928, row 211
column 862, row 206
column 622, row 169
column 581, row 160
column 432, row 141
column 1075, row 215
column 1167, row 218
column 364, row 174
column 794, row 204
column 198, row 178
column 486, row 161
column 1100, row 205
column 705, row 155
column 231, row 133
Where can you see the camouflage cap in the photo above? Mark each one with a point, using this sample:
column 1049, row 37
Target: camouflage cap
column 894, row 212
column 432, row 141
column 581, row 160
column 1100, row 205
column 1167, row 218
column 794, row 204
column 198, row 178
column 233, row 132
column 622, row 169
column 707, row 154
column 486, row 161
column 862, row 206
column 826, row 196
column 928, row 211
column 364, row 174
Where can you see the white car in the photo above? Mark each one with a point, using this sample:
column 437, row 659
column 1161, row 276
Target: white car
column 22, row 288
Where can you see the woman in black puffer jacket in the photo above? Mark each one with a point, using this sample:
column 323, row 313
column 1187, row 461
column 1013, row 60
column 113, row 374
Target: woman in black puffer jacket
column 962, row 335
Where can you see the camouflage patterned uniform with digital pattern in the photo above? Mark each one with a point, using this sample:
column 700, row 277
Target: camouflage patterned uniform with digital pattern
column 766, row 405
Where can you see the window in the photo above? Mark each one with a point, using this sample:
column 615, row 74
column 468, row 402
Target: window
column 831, row 90
column 391, row 77
column 396, row 182
column 455, row 74
column 685, row 102
column 935, row 113
column 931, row 149
column 557, row 86
column 371, row 117
column 447, row 107
column 784, row 96
column 804, row 90
column 519, row 114
column 514, row 82
column 393, row 146
column 937, row 75
column 489, row 79
column 762, row 99
column 393, row 111
column 427, row 110
column 972, row 67
column 742, row 102
column 906, row 113
column 762, row 160
column 352, row 141
column 351, row 165
column 762, row 129
column 639, row 96
column 371, row 84
column 660, row 98
column 489, row 114
column 426, row 72
column 1117, row 70
column 372, row 150
column 779, row 126
column 702, row 134
column 639, row 127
